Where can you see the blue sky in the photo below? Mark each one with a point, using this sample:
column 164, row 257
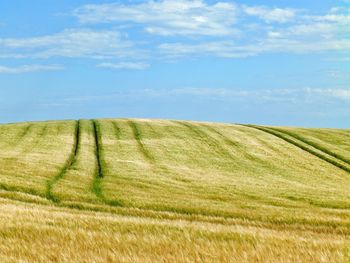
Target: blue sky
column 264, row 62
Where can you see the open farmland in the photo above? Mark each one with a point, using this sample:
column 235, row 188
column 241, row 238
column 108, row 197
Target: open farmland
column 131, row 190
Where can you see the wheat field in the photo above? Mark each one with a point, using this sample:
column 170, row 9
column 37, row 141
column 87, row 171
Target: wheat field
column 138, row 190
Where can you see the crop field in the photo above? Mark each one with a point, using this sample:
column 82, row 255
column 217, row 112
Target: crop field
column 137, row 190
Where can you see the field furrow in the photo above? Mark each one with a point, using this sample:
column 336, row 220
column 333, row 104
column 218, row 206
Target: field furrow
column 39, row 157
column 310, row 148
column 98, row 176
column 78, row 182
column 69, row 163
column 319, row 143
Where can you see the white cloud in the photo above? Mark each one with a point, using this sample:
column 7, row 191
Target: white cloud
column 292, row 95
column 318, row 28
column 334, row 16
column 221, row 29
column 167, row 17
column 339, row 74
column 125, row 65
column 343, row 94
column 282, row 95
column 303, row 34
column 69, row 43
column 279, row 15
column 210, row 92
column 229, row 49
column 29, row 68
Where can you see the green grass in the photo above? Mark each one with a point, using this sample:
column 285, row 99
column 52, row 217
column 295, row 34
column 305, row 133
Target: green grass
column 192, row 191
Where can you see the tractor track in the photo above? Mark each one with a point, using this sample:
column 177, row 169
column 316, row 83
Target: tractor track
column 24, row 133
column 329, row 158
column 117, row 130
column 96, row 187
column 101, row 166
column 209, row 140
column 155, row 167
column 137, row 135
column 69, row 163
column 315, row 145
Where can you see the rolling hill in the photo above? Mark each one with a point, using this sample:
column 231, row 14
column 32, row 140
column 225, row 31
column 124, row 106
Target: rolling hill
column 131, row 190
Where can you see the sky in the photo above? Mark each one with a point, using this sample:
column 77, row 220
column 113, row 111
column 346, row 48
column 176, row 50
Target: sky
column 264, row 62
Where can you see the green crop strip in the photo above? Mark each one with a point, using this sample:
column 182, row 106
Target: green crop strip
column 315, row 145
column 303, row 147
column 117, row 130
column 101, row 167
column 226, row 140
column 70, row 161
column 96, row 187
column 40, row 135
column 207, row 139
column 24, row 133
column 137, row 135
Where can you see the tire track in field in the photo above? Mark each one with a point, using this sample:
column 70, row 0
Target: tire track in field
column 69, row 163
column 23, row 134
column 37, row 140
column 26, row 131
column 308, row 148
column 101, row 166
column 315, row 145
column 117, row 130
column 96, row 186
column 224, row 137
column 20, row 137
column 137, row 135
column 207, row 139
column 218, row 144
column 142, row 148
column 233, row 144
column 155, row 166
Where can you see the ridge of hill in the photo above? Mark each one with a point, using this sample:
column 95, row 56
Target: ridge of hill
column 160, row 190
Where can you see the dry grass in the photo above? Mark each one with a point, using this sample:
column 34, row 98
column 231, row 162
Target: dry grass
column 41, row 233
column 171, row 191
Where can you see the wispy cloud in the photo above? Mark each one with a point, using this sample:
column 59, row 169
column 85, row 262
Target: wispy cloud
column 282, row 95
column 220, row 28
column 187, row 28
column 29, row 68
column 279, row 15
column 339, row 75
column 168, row 17
column 125, row 65
column 69, row 43
column 293, row 95
column 343, row 94
column 228, row 49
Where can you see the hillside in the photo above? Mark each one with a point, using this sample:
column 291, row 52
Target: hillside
column 150, row 190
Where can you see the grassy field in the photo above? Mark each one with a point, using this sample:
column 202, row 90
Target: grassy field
column 126, row 190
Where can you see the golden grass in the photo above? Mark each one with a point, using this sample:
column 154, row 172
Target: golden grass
column 41, row 233
column 171, row 191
